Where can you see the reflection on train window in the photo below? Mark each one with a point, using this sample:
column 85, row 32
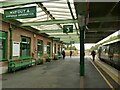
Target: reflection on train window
column 25, row 46
column 3, row 46
column 40, row 48
column 117, row 48
column 105, row 50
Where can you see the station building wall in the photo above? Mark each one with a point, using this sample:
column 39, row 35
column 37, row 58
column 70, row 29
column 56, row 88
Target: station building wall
column 20, row 32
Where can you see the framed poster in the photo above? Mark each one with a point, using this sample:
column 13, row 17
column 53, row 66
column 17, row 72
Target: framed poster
column 16, row 48
column 45, row 49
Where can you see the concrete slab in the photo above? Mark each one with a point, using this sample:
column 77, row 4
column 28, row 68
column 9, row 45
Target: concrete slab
column 55, row 74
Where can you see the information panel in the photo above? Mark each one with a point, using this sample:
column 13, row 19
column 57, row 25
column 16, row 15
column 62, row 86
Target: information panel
column 16, row 48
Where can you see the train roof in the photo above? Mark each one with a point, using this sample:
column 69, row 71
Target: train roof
column 114, row 41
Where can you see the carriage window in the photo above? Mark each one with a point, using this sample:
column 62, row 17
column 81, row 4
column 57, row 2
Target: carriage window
column 103, row 48
column 40, row 48
column 25, row 46
column 116, row 48
column 2, row 46
column 106, row 49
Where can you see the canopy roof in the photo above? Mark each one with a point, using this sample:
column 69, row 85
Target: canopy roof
column 52, row 15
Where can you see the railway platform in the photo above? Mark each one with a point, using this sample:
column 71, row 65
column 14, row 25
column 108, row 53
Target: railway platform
column 61, row 74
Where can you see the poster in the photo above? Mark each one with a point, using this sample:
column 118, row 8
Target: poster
column 16, row 48
column 45, row 49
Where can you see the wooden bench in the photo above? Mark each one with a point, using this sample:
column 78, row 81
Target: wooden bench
column 19, row 63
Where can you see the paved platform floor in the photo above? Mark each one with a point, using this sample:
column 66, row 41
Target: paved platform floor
column 58, row 74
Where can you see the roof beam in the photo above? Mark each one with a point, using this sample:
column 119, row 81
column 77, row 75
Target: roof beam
column 47, row 12
column 109, row 13
column 104, row 19
column 61, row 35
column 72, row 15
column 12, row 3
column 54, row 31
column 48, row 22
column 102, row 30
column 70, row 40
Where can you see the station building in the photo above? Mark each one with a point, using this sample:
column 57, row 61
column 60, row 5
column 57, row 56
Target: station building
column 26, row 43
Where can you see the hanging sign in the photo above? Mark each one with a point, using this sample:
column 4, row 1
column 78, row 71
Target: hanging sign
column 68, row 29
column 56, row 39
column 20, row 13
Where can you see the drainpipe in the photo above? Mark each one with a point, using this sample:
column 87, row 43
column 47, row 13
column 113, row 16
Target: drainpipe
column 11, row 47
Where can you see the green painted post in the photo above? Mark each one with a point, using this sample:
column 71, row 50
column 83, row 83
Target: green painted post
column 10, row 29
column 82, row 51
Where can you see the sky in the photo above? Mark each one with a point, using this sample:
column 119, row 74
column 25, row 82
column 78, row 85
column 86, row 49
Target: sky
column 88, row 46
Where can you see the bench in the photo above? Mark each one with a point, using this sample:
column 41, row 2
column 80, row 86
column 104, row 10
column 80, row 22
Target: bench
column 60, row 56
column 19, row 63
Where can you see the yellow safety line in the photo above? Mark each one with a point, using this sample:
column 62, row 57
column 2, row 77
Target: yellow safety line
column 103, row 76
column 114, row 77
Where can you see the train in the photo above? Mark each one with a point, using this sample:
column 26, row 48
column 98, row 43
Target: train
column 110, row 53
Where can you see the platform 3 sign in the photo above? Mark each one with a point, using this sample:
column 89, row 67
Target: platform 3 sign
column 68, row 29
column 20, row 13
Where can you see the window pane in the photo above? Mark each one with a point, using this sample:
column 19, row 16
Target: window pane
column 2, row 45
column 40, row 47
column 25, row 46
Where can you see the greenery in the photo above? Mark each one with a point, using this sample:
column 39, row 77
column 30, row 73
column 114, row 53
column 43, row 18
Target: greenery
column 70, row 47
column 110, row 39
column 42, row 60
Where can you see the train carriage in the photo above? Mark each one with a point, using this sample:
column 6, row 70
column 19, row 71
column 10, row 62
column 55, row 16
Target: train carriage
column 110, row 53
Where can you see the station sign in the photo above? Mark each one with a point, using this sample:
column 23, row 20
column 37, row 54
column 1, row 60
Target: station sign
column 56, row 39
column 68, row 29
column 20, row 13
column 72, row 42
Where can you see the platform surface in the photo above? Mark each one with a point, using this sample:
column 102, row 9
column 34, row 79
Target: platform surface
column 59, row 74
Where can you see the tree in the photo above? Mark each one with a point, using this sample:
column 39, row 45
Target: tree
column 110, row 39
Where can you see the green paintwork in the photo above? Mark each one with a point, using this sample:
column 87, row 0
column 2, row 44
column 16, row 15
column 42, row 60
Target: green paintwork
column 40, row 48
column 49, row 22
column 3, row 47
column 68, row 29
column 23, row 63
column 25, row 45
column 11, row 42
column 56, row 39
column 20, row 13
column 82, row 51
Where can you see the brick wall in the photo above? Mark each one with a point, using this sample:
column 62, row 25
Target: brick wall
column 18, row 32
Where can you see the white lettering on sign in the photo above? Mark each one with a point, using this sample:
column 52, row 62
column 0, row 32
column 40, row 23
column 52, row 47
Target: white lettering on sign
column 28, row 11
column 20, row 11
column 68, row 29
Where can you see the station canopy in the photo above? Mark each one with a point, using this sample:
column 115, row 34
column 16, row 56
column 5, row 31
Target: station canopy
column 52, row 15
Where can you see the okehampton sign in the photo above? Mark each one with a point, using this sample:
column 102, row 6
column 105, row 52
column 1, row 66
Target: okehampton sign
column 20, row 13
